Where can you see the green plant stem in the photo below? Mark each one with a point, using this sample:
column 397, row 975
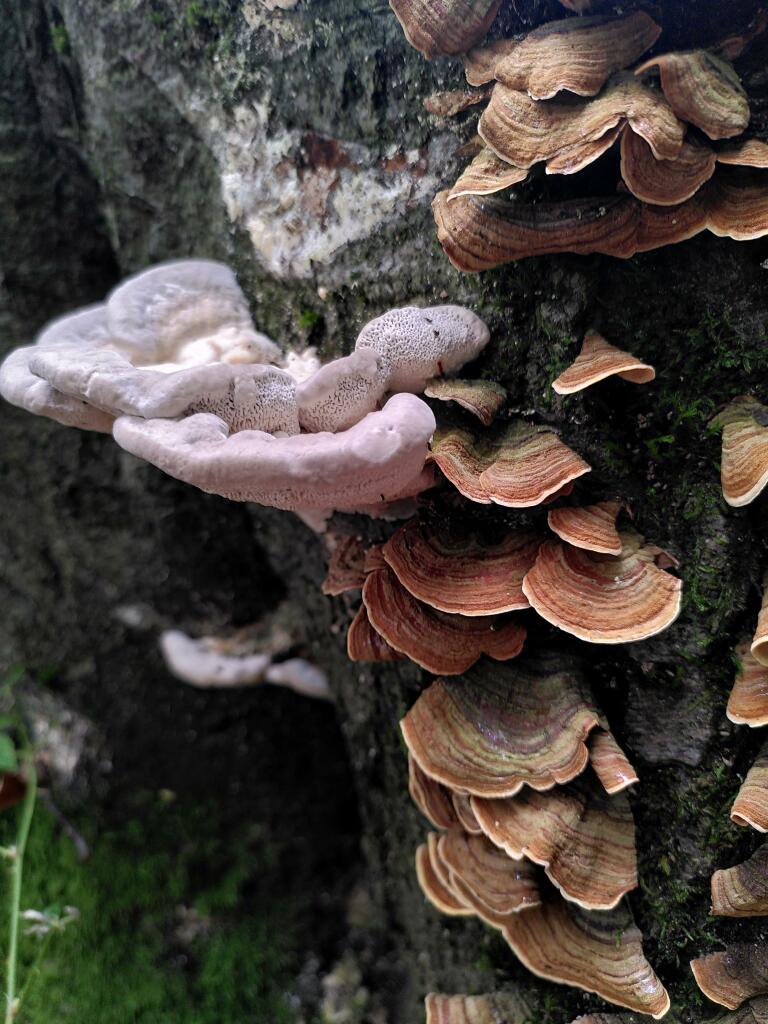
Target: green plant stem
column 25, row 821
column 32, row 972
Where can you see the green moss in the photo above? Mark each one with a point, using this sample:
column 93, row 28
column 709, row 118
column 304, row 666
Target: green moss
column 60, row 39
column 174, row 925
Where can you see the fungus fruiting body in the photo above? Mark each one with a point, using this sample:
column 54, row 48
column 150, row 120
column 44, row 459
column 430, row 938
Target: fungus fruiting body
column 521, row 466
column 748, row 701
column 597, row 360
column 742, row 891
column 751, row 804
column 483, row 398
column 462, row 573
column 509, row 1007
column 744, row 465
column 592, row 528
column 601, row 598
column 734, row 975
column 759, row 646
column 452, row 27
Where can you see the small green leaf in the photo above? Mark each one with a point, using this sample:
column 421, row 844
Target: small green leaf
column 8, row 760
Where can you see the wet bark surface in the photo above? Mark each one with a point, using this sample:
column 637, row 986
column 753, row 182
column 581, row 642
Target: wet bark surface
column 131, row 131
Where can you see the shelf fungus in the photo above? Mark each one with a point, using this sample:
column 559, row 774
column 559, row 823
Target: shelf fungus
column 478, row 233
column 748, row 702
column 598, row 951
column 489, row 880
column 486, row 174
column 665, row 182
column 751, row 804
column 742, row 891
column 520, row 466
column 744, row 464
column 346, row 565
column 494, row 1008
column 749, row 153
column 733, row 976
column 439, row 642
column 592, row 528
column 574, row 55
column 435, row 882
column 609, row 762
column 379, row 459
column 598, row 360
column 602, row 599
column 483, row 398
column 704, row 90
column 500, row 727
column 364, row 643
column 449, row 28
column 583, row 838
column 572, row 134
column 759, row 646
column 461, row 573
column 432, row 799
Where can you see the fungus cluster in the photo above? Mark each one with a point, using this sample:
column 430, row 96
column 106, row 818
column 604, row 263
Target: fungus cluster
column 564, row 94
column 740, row 972
column 744, row 463
column 171, row 365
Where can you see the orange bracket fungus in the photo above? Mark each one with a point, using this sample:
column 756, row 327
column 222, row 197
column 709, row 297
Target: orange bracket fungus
column 748, row 702
column 704, row 90
column 365, row 644
column 433, row 800
column 731, row 977
column 575, row 55
column 500, row 727
column 592, row 528
column 432, row 876
column 495, row 1008
column 521, row 466
column 451, row 27
column 483, row 398
column 346, row 565
column 599, row 951
column 597, row 360
column 584, row 839
column 461, row 573
column 751, row 804
column 602, row 599
column 742, row 891
column 439, row 642
column 744, row 465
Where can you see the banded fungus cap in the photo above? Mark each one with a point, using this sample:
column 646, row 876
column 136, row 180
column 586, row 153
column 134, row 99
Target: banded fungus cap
column 500, row 727
column 378, row 459
column 509, row 1007
column 741, row 891
column 432, row 799
column 704, row 90
column 483, row 398
column 437, row 641
column 609, row 762
column 520, row 466
column 748, row 700
column 434, row 882
column 500, row 884
column 596, row 361
column 759, row 645
column 346, row 565
column 730, row 977
column 592, row 528
column 452, row 28
column 599, row 951
column 524, row 132
column 461, row 574
column 751, row 804
column 746, row 153
column 486, row 174
column 744, row 465
column 364, row 643
column 665, row 182
column 414, row 344
column 584, row 839
column 576, row 55
column 602, row 599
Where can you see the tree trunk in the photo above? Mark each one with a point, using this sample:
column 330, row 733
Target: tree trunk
column 289, row 140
